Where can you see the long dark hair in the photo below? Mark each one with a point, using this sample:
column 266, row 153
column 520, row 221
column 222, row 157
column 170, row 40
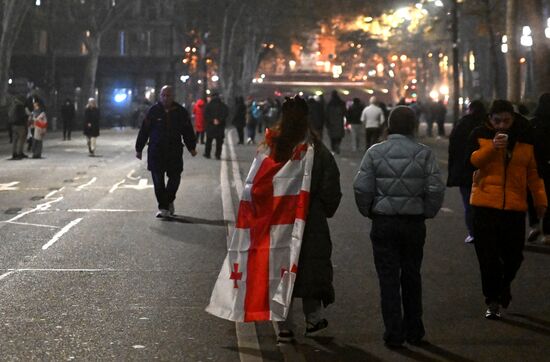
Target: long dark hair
column 292, row 128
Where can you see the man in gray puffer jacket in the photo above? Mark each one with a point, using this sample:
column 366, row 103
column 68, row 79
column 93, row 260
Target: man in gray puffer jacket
column 398, row 186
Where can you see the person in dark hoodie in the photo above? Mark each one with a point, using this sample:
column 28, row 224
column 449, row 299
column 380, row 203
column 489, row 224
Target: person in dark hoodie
column 459, row 174
column 502, row 154
column 239, row 118
column 215, row 115
column 335, row 113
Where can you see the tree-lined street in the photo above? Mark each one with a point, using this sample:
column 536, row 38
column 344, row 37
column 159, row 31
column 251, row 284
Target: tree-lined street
column 88, row 272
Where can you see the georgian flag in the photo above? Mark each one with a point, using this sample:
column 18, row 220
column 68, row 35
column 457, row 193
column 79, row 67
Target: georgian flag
column 258, row 274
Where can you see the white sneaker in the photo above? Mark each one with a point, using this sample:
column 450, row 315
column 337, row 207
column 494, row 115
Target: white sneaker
column 493, row 311
column 162, row 213
column 171, row 209
column 469, row 239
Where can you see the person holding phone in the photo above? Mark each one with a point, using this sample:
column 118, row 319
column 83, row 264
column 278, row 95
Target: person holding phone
column 501, row 153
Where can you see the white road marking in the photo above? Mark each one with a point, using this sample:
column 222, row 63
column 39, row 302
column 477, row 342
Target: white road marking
column 247, row 339
column 103, row 210
column 53, row 193
column 60, row 233
column 9, row 186
column 30, row 224
column 5, row 275
column 227, row 202
column 81, row 187
column 142, row 185
column 129, row 175
column 40, row 207
column 116, row 186
column 446, row 209
column 235, row 166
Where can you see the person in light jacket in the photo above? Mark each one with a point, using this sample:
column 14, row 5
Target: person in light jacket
column 398, row 186
column 40, row 124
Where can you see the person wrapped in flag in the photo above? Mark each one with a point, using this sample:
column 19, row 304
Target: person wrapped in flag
column 281, row 248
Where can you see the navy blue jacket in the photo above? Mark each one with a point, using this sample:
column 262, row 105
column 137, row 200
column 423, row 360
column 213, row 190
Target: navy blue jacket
column 164, row 131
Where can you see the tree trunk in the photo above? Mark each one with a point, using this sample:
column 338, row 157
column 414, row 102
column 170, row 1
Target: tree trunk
column 493, row 56
column 513, row 88
column 13, row 15
column 93, row 44
column 540, row 49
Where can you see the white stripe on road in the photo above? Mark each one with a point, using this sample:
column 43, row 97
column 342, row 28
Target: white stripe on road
column 247, row 339
column 104, row 210
column 129, row 175
column 40, row 207
column 30, row 224
column 61, row 233
column 5, row 275
column 446, row 209
column 81, row 187
column 53, row 193
column 116, row 186
column 235, row 165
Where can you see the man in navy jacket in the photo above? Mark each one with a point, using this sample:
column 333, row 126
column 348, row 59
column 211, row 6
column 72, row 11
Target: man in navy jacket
column 166, row 123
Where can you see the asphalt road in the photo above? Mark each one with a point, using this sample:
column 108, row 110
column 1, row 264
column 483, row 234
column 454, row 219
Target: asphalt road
column 88, row 273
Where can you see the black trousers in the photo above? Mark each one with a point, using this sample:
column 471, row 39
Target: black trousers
column 67, row 129
column 372, row 134
column 398, row 247
column 499, row 237
column 165, row 191
column 240, row 132
column 208, row 146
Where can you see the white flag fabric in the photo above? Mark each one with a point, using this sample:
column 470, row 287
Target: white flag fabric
column 258, row 274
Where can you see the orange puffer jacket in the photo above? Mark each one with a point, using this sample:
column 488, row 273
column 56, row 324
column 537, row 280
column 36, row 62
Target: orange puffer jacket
column 502, row 176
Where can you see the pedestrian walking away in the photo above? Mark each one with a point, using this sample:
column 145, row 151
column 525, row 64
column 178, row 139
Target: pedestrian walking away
column 40, row 123
column 353, row 117
column 91, row 125
column 372, row 118
column 502, row 154
column 316, row 115
column 398, row 186
column 293, row 166
column 67, row 117
column 198, row 112
column 239, row 118
column 335, row 113
column 215, row 116
column 163, row 128
column 459, row 174
column 19, row 120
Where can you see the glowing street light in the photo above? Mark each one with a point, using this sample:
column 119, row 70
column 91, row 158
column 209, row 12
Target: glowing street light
column 504, row 46
column 526, row 39
column 547, row 30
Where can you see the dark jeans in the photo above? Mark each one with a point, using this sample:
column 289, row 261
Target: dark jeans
column 465, row 192
column 200, row 137
column 208, row 147
column 499, row 237
column 165, row 192
column 335, row 145
column 67, row 128
column 251, row 131
column 398, row 243
column 240, row 132
column 371, row 136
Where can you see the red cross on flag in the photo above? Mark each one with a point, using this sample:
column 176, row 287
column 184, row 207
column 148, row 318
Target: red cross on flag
column 258, row 274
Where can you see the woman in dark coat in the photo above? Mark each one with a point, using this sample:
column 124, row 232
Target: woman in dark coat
column 335, row 113
column 459, row 173
column 91, row 125
column 314, row 278
column 239, row 118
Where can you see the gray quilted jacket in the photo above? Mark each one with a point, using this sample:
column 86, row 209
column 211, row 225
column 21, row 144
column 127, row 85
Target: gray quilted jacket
column 399, row 177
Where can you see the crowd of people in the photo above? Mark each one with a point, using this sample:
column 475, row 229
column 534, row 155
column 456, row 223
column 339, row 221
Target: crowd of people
column 497, row 157
column 28, row 123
